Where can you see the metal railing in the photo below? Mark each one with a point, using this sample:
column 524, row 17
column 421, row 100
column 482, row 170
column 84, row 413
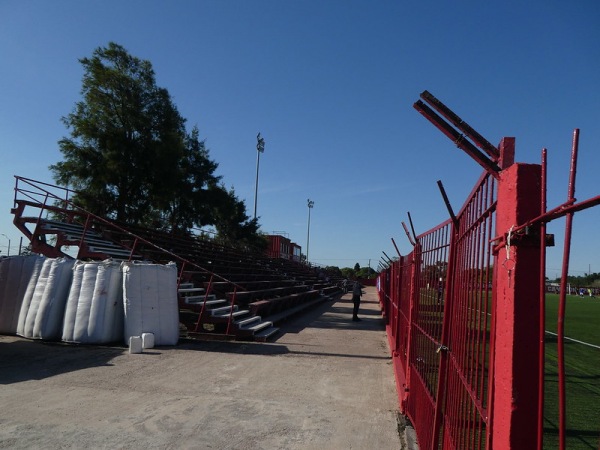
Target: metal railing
column 56, row 199
column 465, row 310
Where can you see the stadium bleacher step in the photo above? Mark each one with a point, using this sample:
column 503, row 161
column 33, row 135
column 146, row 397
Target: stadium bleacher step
column 72, row 228
column 190, row 289
column 258, row 327
column 250, row 321
column 239, row 313
column 224, row 310
column 111, row 251
column 265, row 334
column 95, row 243
column 211, row 301
column 89, row 238
column 192, row 295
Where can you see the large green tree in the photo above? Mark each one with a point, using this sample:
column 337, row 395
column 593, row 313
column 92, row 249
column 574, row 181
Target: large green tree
column 233, row 225
column 190, row 198
column 125, row 134
column 130, row 158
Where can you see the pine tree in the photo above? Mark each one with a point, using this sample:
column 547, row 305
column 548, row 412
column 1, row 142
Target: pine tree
column 130, row 158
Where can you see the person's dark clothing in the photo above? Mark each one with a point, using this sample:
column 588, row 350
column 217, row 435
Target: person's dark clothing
column 356, row 293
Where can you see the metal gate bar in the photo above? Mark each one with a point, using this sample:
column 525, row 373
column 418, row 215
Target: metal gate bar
column 465, row 310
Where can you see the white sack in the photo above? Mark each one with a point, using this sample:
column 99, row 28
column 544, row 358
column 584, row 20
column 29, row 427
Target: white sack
column 30, row 300
column 150, row 301
column 44, row 316
column 15, row 274
column 94, row 312
column 38, row 263
column 73, row 302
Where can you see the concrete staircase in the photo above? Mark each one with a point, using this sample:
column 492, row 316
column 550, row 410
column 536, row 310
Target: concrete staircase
column 214, row 315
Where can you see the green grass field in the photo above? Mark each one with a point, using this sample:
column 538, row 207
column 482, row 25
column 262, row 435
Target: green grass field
column 582, row 365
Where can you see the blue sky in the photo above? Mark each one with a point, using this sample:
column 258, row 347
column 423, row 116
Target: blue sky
column 330, row 85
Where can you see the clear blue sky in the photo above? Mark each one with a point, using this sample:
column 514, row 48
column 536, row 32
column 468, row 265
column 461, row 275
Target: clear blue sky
column 330, row 85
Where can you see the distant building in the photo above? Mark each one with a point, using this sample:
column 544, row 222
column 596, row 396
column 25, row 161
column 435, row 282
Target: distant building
column 282, row 247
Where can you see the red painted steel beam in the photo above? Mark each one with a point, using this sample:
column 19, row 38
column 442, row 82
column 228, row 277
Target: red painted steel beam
column 396, row 247
column 542, row 301
column 447, row 203
column 516, row 353
column 387, row 257
column 412, row 301
column 410, row 239
column 458, row 138
column 569, row 207
column 444, row 338
column 446, row 112
column 562, row 301
column 412, row 227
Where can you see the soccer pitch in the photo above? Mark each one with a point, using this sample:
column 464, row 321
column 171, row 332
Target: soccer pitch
column 582, row 366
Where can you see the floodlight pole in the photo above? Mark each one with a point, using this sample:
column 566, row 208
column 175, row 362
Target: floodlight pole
column 260, row 148
column 8, row 252
column 310, row 203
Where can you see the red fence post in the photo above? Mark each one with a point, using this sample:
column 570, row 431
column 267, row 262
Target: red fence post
column 516, row 353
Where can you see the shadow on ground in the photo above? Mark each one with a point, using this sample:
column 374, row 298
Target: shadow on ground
column 23, row 360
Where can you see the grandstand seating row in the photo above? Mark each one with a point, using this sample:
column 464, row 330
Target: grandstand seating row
column 222, row 290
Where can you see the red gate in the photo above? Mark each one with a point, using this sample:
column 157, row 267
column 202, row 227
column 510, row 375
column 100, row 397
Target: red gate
column 465, row 309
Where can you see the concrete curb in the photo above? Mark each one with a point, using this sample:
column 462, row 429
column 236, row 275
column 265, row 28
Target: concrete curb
column 406, row 432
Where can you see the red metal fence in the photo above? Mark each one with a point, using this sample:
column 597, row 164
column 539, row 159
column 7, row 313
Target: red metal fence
column 465, row 310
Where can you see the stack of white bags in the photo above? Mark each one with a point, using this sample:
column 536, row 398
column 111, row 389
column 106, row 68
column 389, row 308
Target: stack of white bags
column 88, row 302
column 94, row 312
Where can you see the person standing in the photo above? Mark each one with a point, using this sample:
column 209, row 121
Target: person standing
column 345, row 286
column 356, row 293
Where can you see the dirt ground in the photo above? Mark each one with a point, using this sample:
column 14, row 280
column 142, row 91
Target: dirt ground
column 324, row 383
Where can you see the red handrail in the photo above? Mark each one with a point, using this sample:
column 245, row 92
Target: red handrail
column 206, row 294
column 40, row 189
column 231, row 310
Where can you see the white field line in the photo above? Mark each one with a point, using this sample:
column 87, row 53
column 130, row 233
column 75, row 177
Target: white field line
column 575, row 340
column 570, row 339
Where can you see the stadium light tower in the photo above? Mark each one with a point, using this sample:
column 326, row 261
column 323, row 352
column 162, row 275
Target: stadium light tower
column 8, row 253
column 260, row 148
column 310, row 206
